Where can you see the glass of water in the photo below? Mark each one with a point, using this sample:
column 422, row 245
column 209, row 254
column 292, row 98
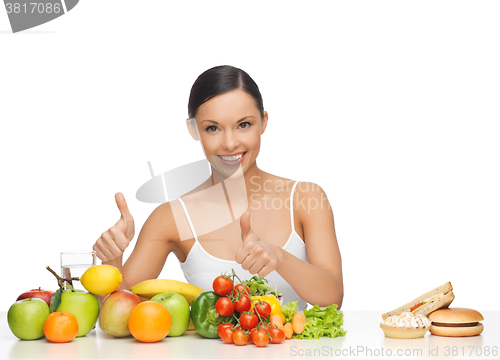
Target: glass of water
column 75, row 262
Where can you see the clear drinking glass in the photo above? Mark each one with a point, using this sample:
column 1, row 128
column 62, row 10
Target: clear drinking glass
column 75, row 262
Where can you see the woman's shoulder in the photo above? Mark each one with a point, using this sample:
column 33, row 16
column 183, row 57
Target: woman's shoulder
column 309, row 198
column 308, row 188
column 162, row 218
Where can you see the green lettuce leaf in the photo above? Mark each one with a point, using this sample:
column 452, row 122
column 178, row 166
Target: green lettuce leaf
column 322, row 321
column 258, row 286
column 289, row 309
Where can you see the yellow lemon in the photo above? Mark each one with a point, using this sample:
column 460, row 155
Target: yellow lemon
column 101, row 279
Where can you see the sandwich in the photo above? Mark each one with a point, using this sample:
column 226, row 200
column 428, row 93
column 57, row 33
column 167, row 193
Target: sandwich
column 456, row 322
column 440, row 297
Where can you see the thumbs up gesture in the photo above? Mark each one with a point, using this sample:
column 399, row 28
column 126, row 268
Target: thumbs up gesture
column 255, row 255
column 114, row 241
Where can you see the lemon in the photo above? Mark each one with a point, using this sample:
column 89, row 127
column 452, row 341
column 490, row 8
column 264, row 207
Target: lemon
column 101, row 279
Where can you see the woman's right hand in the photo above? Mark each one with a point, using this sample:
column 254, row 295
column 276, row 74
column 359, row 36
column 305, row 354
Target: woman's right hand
column 114, row 241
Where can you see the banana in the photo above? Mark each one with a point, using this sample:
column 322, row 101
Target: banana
column 144, row 298
column 191, row 325
column 149, row 288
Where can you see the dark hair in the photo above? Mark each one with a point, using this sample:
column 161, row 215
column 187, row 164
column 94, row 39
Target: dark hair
column 220, row 80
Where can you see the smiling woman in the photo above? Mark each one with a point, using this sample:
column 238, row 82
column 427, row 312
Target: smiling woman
column 287, row 234
column 229, row 141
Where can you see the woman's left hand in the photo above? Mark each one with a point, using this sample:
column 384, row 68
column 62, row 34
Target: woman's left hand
column 256, row 256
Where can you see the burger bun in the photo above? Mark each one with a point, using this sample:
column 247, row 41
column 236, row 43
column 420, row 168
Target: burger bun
column 456, row 322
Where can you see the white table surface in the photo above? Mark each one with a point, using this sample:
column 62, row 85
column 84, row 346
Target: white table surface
column 364, row 340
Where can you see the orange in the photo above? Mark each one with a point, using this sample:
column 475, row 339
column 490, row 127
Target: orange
column 60, row 327
column 149, row 321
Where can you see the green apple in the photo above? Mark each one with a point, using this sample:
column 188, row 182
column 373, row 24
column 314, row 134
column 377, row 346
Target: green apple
column 85, row 307
column 178, row 307
column 26, row 318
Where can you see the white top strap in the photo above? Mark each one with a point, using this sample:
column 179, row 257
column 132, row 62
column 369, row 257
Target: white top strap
column 291, row 205
column 188, row 219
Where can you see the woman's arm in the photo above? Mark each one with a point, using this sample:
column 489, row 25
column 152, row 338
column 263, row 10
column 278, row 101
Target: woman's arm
column 319, row 281
column 154, row 244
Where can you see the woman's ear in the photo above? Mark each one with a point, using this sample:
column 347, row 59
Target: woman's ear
column 192, row 128
column 263, row 123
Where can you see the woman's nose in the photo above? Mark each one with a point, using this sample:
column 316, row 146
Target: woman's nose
column 230, row 141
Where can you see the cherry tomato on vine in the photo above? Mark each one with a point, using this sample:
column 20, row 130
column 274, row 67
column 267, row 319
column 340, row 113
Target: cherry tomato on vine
column 224, row 326
column 240, row 289
column 248, row 321
column 222, row 285
column 250, row 336
column 277, row 335
column 244, row 304
column 262, row 327
column 264, row 309
column 239, row 337
column 224, row 306
column 260, row 338
column 226, row 334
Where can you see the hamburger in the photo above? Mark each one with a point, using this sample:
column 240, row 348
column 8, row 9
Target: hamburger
column 456, row 322
column 440, row 297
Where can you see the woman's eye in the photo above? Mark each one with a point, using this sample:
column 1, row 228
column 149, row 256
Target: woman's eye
column 212, row 128
column 245, row 125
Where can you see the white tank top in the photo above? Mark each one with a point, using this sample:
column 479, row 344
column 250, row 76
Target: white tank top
column 201, row 268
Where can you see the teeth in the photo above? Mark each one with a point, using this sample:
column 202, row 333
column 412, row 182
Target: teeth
column 232, row 158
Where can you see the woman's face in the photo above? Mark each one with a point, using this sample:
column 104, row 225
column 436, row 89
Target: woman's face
column 229, row 128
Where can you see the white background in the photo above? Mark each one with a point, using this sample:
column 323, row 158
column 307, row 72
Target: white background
column 391, row 106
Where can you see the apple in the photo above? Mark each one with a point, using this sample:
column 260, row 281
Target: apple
column 26, row 318
column 82, row 304
column 178, row 307
column 39, row 293
column 115, row 311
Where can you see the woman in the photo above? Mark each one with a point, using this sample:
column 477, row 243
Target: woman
column 277, row 228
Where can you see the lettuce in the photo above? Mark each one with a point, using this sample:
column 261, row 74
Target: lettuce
column 258, row 287
column 322, row 321
column 289, row 309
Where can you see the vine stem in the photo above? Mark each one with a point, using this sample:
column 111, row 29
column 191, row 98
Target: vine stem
column 61, row 279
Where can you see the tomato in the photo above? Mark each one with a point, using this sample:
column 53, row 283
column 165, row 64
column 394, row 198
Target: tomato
column 260, row 338
column 224, row 306
column 223, row 326
column 226, row 334
column 275, row 305
column 252, row 333
column 241, row 289
column 223, row 285
column 277, row 335
column 264, row 309
column 262, row 327
column 415, row 307
column 248, row 321
column 244, row 304
column 239, row 337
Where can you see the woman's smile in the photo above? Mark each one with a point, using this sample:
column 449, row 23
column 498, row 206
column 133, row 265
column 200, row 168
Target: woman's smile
column 233, row 159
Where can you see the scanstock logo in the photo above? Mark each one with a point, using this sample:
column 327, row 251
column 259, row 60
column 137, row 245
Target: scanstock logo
column 26, row 14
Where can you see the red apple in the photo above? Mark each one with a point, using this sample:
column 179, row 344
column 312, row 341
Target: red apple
column 39, row 293
column 115, row 311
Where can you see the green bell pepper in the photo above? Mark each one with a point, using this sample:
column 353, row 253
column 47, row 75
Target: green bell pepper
column 205, row 317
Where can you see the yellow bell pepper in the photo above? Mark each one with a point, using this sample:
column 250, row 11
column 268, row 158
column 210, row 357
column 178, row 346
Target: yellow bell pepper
column 275, row 304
